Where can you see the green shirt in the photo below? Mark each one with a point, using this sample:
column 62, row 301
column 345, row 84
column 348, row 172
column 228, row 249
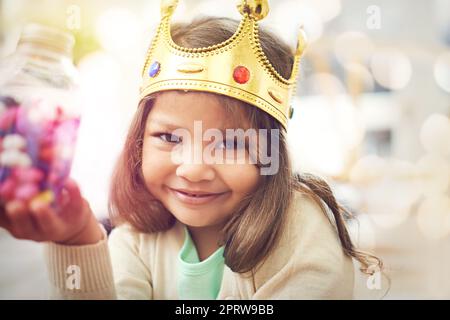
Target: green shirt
column 198, row 280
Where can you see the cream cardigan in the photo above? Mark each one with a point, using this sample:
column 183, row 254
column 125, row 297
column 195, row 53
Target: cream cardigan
column 308, row 263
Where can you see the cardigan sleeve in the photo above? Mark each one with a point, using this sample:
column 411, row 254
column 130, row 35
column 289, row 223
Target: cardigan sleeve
column 309, row 262
column 109, row 269
column 80, row 272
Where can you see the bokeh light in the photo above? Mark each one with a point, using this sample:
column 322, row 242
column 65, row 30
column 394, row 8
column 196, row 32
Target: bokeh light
column 118, row 30
column 359, row 78
column 442, row 71
column 399, row 196
column 327, row 9
column 324, row 133
column 291, row 15
column 353, row 47
column 362, row 232
column 324, row 83
column 391, row 68
column 368, row 169
column 100, row 74
column 433, row 173
column 433, row 216
column 435, row 134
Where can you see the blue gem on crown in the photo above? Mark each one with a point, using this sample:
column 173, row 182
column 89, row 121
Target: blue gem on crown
column 154, row 69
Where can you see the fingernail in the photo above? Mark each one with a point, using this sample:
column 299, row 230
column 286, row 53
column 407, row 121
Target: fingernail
column 13, row 205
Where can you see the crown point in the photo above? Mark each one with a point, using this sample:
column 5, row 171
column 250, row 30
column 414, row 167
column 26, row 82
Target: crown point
column 154, row 69
column 241, row 74
column 301, row 42
column 257, row 9
column 168, row 7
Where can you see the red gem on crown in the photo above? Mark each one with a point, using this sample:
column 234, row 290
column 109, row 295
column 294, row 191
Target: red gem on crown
column 241, row 74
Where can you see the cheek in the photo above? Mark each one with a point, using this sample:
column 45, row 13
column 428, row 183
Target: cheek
column 155, row 164
column 242, row 179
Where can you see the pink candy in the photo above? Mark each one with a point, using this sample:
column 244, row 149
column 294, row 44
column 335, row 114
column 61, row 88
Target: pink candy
column 7, row 118
column 7, row 189
column 22, row 184
column 26, row 191
column 28, row 174
column 46, row 154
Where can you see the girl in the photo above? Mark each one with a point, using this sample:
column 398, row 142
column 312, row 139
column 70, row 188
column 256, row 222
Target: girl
column 186, row 230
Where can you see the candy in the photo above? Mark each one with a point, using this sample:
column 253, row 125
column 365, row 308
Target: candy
column 8, row 118
column 14, row 141
column 24, row 160
column 46, row 154
column 37, row 143
column 46, row 139
column 23, row 125
column 30, row 174
column 4, row 173
column 26, row 191
column 7, row 189
column 45, row 197
column 10, row 158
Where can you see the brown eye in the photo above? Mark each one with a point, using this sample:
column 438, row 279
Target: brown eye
column 167, row 137
column 230, row 144
column 226, row 144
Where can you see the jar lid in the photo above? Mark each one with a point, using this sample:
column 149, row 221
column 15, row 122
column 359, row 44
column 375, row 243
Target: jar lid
column 52, row 38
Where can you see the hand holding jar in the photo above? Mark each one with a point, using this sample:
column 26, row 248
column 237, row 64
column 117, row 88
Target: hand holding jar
column 39, row 121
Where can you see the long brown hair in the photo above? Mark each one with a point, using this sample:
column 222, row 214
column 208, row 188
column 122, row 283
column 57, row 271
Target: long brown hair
column 255, row 227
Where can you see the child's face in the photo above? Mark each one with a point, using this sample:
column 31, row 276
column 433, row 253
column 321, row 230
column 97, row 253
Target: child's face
column 163, row 174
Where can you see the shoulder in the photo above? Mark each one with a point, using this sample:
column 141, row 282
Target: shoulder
column 307, row 224
column 314, row 232
column 309, row 257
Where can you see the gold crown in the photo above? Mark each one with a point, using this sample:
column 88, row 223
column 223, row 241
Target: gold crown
column 236, row 67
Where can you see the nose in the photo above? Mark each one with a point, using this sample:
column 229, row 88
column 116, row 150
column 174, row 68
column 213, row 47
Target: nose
column 195, row 172
column 192, row 167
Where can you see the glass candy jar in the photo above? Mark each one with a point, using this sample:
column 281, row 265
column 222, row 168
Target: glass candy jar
column 39, row 115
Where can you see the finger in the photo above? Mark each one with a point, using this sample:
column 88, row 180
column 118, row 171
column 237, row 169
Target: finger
column 22, row 225
column 47, row 221
column 63, row 198
column 74, row 203
column 73, row 192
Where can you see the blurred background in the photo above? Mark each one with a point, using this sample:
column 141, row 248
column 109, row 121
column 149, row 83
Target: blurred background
column 371, row 117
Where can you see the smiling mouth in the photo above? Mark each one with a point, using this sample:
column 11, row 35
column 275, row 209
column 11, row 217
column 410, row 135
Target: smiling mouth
column 190, row 198
column 198, row 195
